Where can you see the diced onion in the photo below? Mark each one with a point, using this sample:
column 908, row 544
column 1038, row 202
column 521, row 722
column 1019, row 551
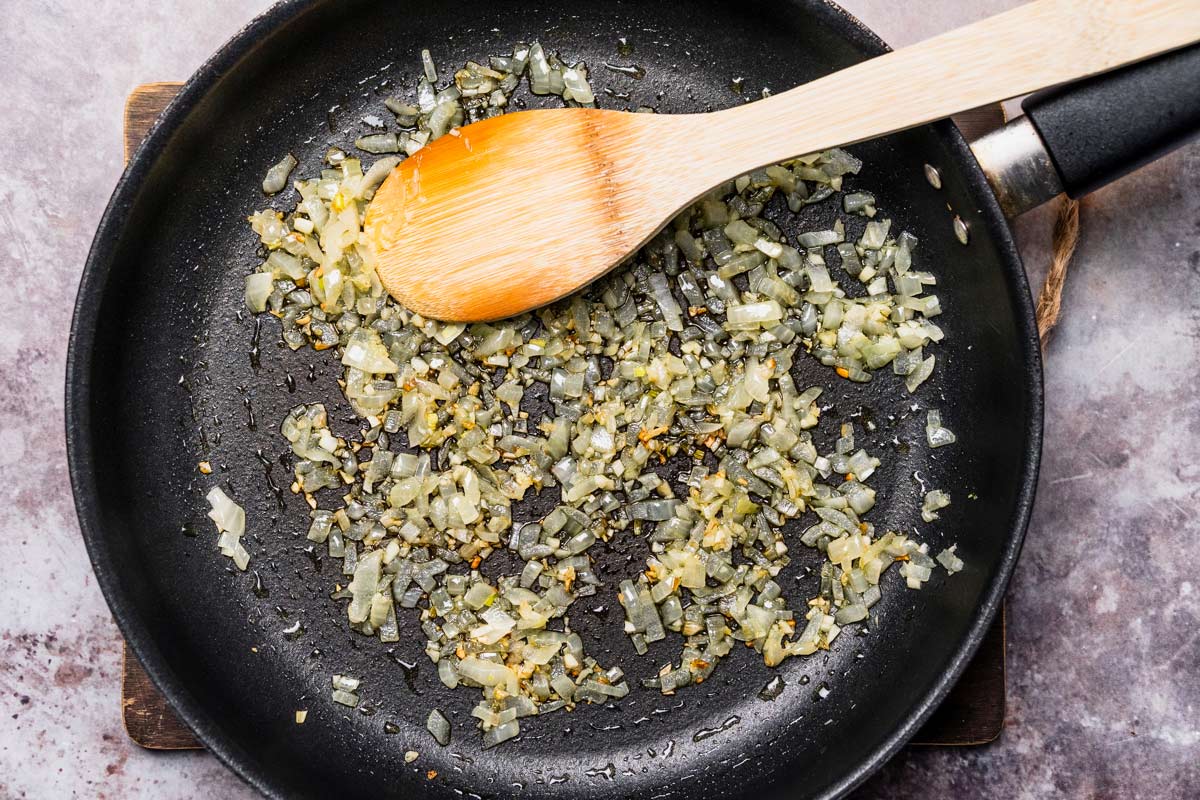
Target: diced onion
column 439, row 727
column 277, row 175
column 934, row 501
column 949, row 560
column 936, row 434
column 687, row 354
column 230, row 519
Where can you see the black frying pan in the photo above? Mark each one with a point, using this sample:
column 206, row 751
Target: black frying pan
column 160, row 376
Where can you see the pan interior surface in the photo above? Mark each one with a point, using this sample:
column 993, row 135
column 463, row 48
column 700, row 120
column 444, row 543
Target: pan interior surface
column 161, row 377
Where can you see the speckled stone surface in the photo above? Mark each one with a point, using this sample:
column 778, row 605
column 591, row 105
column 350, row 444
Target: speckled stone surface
column 1104, row 631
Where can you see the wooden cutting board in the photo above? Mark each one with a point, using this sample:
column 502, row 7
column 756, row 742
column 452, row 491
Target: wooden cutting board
column 972, row 714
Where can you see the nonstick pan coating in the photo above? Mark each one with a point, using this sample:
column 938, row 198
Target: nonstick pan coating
column 160, row 377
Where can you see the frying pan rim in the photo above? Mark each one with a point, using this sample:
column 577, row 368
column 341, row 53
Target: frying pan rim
column 78, row 397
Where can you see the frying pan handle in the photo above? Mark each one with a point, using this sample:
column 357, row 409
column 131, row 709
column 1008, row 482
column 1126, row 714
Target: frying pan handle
column 1081, row 136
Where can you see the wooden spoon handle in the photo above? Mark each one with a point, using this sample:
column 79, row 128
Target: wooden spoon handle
column 1031, row 47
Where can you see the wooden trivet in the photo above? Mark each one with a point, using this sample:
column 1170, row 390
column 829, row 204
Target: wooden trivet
column 972, row 714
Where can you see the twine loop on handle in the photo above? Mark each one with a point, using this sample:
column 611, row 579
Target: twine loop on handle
column 1066, row 239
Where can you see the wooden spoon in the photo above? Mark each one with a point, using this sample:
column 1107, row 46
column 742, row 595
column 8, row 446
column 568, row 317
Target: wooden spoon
column 516, row 211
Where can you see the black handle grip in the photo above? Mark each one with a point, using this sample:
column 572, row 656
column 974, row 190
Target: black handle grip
column 1101, row 128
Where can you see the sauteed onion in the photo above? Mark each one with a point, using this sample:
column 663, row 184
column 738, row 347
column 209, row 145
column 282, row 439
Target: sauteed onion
column 671, row 414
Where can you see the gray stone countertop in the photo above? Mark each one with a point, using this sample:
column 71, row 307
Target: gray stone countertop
column 1104, row 612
